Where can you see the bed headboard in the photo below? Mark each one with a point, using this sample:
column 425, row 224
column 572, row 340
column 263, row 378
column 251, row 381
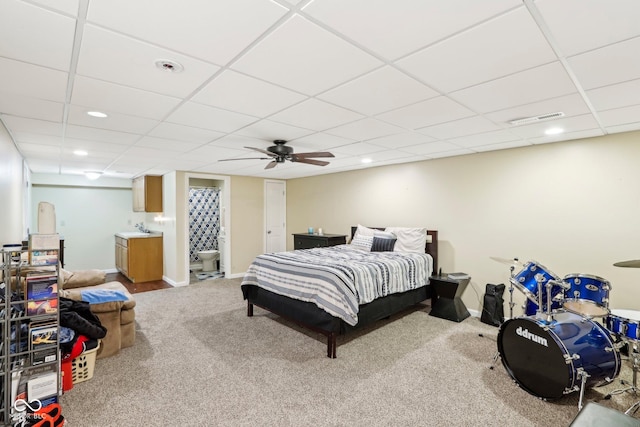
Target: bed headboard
column 431, row 247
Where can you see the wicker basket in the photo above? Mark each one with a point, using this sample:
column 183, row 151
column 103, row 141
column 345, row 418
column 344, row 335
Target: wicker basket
column 83, row 365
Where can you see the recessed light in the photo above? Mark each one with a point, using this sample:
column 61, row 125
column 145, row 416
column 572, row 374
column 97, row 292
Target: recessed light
column 169, row 65
column 80, row 153
column 366, row 160
column 553, row 131
column 98, row 114
column 93, row 174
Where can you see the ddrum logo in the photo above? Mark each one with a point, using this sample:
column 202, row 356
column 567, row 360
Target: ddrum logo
column 524, row 333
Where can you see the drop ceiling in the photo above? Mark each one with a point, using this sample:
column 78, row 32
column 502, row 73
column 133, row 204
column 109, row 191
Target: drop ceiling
column 393, row 81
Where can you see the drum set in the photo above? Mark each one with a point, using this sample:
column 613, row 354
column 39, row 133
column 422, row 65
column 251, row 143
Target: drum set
column 557, row 347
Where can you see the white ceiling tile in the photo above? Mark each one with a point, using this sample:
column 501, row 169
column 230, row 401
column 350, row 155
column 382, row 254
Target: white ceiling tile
column 365, row 129
column 502, row 146
column 486, row 138
column 23, row 124
column 570, row 105
column 615, row 96
column 34, row 27
column 100, row 135
column 462, row 127
column 267, row 130
column 400, row 140
column 608, row 65
column 239, row 142
column 33, row 81
column 205, row 117
column 38, row 138
column 93, row 147
column 184, row 133
column 148, row 153
column 426, row 113
column 321, row 141
column 42, row 165
column 589, row 133
column 116, row 122
column 305, row 58
column 568, row 124
column 31, row 108
column 103, row 96
column 170, row 145
column 379, row 91
column 120, row 59
column 316, row 115
column 247, row 95
column 394, row 29
column 40, row 150
column 450, row 153
column 620, row 116
column 69, row 7
column 212, row 152
column 505, row 45
column 628, row 127
column 431, row 148
column 213, row 31
column 537, row 84
column 581, row 25
column 357, row 149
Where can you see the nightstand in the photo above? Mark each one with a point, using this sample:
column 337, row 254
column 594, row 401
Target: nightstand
column 307, row 241
column 448, row 303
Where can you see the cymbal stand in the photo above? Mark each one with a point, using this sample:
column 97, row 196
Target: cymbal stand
column 511, row 305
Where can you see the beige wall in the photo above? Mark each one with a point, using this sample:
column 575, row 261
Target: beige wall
column 573, row 207
column 12, row 191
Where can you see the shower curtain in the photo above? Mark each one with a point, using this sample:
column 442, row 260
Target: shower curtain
column 204, row 220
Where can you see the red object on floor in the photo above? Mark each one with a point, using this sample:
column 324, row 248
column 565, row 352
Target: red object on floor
column 67, row 375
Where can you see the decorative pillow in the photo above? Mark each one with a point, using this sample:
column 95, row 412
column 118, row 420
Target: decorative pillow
column 362, row 242
column 384, row 234
column 381, row 244
column 409, row 239
column 364, row 231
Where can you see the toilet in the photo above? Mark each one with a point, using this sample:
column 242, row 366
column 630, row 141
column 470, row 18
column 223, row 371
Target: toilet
column 208, row 258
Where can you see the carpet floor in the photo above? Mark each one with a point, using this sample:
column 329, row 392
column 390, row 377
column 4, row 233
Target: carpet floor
column 199, row 360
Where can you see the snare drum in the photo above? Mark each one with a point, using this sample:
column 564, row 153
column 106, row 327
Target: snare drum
column 587, row 295
column 548, row 359
column 624, row 324
column 526, row 281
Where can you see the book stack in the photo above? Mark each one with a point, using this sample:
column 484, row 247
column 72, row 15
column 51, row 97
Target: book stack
column 458, row 276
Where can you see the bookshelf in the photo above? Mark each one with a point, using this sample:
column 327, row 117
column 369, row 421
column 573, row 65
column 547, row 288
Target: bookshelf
column 29, row 327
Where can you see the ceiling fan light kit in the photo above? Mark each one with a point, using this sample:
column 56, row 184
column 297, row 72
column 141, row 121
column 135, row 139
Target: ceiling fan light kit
column 279, row 153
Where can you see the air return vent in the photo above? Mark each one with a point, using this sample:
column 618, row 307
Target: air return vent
column 540, row 118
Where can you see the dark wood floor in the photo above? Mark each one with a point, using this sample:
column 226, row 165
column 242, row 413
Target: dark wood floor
column 135, row 288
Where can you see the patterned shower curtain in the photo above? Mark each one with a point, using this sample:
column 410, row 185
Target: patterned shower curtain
column 204, row 220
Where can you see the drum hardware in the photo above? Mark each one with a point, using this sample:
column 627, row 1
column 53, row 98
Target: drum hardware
column 629, row 264
column 583, row 375
column 633, row 387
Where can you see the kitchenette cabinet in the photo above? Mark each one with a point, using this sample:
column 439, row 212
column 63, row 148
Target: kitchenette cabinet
column 147, row 193
column 139, row 257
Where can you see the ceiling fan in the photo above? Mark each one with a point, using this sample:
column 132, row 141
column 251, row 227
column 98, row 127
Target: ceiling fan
column 279, row 153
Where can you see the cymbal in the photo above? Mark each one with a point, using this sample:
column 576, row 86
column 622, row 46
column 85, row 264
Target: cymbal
column 506, row 261
column 633, row 263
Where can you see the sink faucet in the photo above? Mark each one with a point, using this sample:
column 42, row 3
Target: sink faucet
column 141, row 228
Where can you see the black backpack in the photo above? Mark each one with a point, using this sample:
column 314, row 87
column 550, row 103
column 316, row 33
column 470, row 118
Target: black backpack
column 493, row 307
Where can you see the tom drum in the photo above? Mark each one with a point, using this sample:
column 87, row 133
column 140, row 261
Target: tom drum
column 527, row 281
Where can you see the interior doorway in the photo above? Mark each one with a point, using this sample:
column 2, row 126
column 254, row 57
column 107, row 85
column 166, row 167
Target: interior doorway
column 275, row 216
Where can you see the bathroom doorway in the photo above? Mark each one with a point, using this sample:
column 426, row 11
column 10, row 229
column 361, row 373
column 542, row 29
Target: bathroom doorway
column 206, row 202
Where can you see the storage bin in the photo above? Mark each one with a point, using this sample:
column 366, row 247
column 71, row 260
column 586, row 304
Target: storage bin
column 83, row 365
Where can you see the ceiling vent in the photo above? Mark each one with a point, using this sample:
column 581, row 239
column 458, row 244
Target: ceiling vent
column 540, row 118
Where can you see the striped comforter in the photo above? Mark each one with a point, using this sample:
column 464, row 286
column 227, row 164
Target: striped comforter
column 339, row 278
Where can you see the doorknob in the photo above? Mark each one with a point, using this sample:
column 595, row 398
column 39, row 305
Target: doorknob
column 269, row 232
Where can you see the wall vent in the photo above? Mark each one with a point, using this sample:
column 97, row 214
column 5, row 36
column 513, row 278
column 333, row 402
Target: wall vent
column 540, row 118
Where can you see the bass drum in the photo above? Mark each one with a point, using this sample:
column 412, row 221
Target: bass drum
column 545, row 358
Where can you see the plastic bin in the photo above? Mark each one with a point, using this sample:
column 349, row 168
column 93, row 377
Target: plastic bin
column 83, row 365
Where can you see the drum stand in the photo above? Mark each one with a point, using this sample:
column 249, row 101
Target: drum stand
column 633, row 388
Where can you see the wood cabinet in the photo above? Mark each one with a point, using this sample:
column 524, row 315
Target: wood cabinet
column 307, row 241
column 140, row 258
column 147, row 193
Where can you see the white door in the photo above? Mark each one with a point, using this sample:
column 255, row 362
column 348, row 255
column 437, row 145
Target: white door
column 275, row 213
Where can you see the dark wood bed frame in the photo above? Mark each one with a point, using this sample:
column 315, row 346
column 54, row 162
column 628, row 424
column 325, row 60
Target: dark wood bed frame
column 309, row 316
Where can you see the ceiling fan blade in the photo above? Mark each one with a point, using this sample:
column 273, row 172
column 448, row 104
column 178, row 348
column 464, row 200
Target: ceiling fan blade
column 312, row 154
column 271, row 165
column 268, row 153
column 310, row 161
column 246, row 158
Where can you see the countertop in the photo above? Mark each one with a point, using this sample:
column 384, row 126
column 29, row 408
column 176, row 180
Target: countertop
column 137, row 234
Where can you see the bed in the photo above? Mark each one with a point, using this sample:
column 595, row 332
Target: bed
column 331, row 312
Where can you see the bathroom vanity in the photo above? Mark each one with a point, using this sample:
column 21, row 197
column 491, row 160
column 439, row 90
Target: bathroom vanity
column 139, row 256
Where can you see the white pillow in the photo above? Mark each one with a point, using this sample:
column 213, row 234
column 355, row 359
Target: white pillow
column 364, row 231
column 409, row 239
column 362, row 242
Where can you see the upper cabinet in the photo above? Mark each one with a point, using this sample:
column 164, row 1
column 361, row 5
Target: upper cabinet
column 147, row 193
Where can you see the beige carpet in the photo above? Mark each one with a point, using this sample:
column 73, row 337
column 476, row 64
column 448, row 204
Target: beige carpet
column 200, row 361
